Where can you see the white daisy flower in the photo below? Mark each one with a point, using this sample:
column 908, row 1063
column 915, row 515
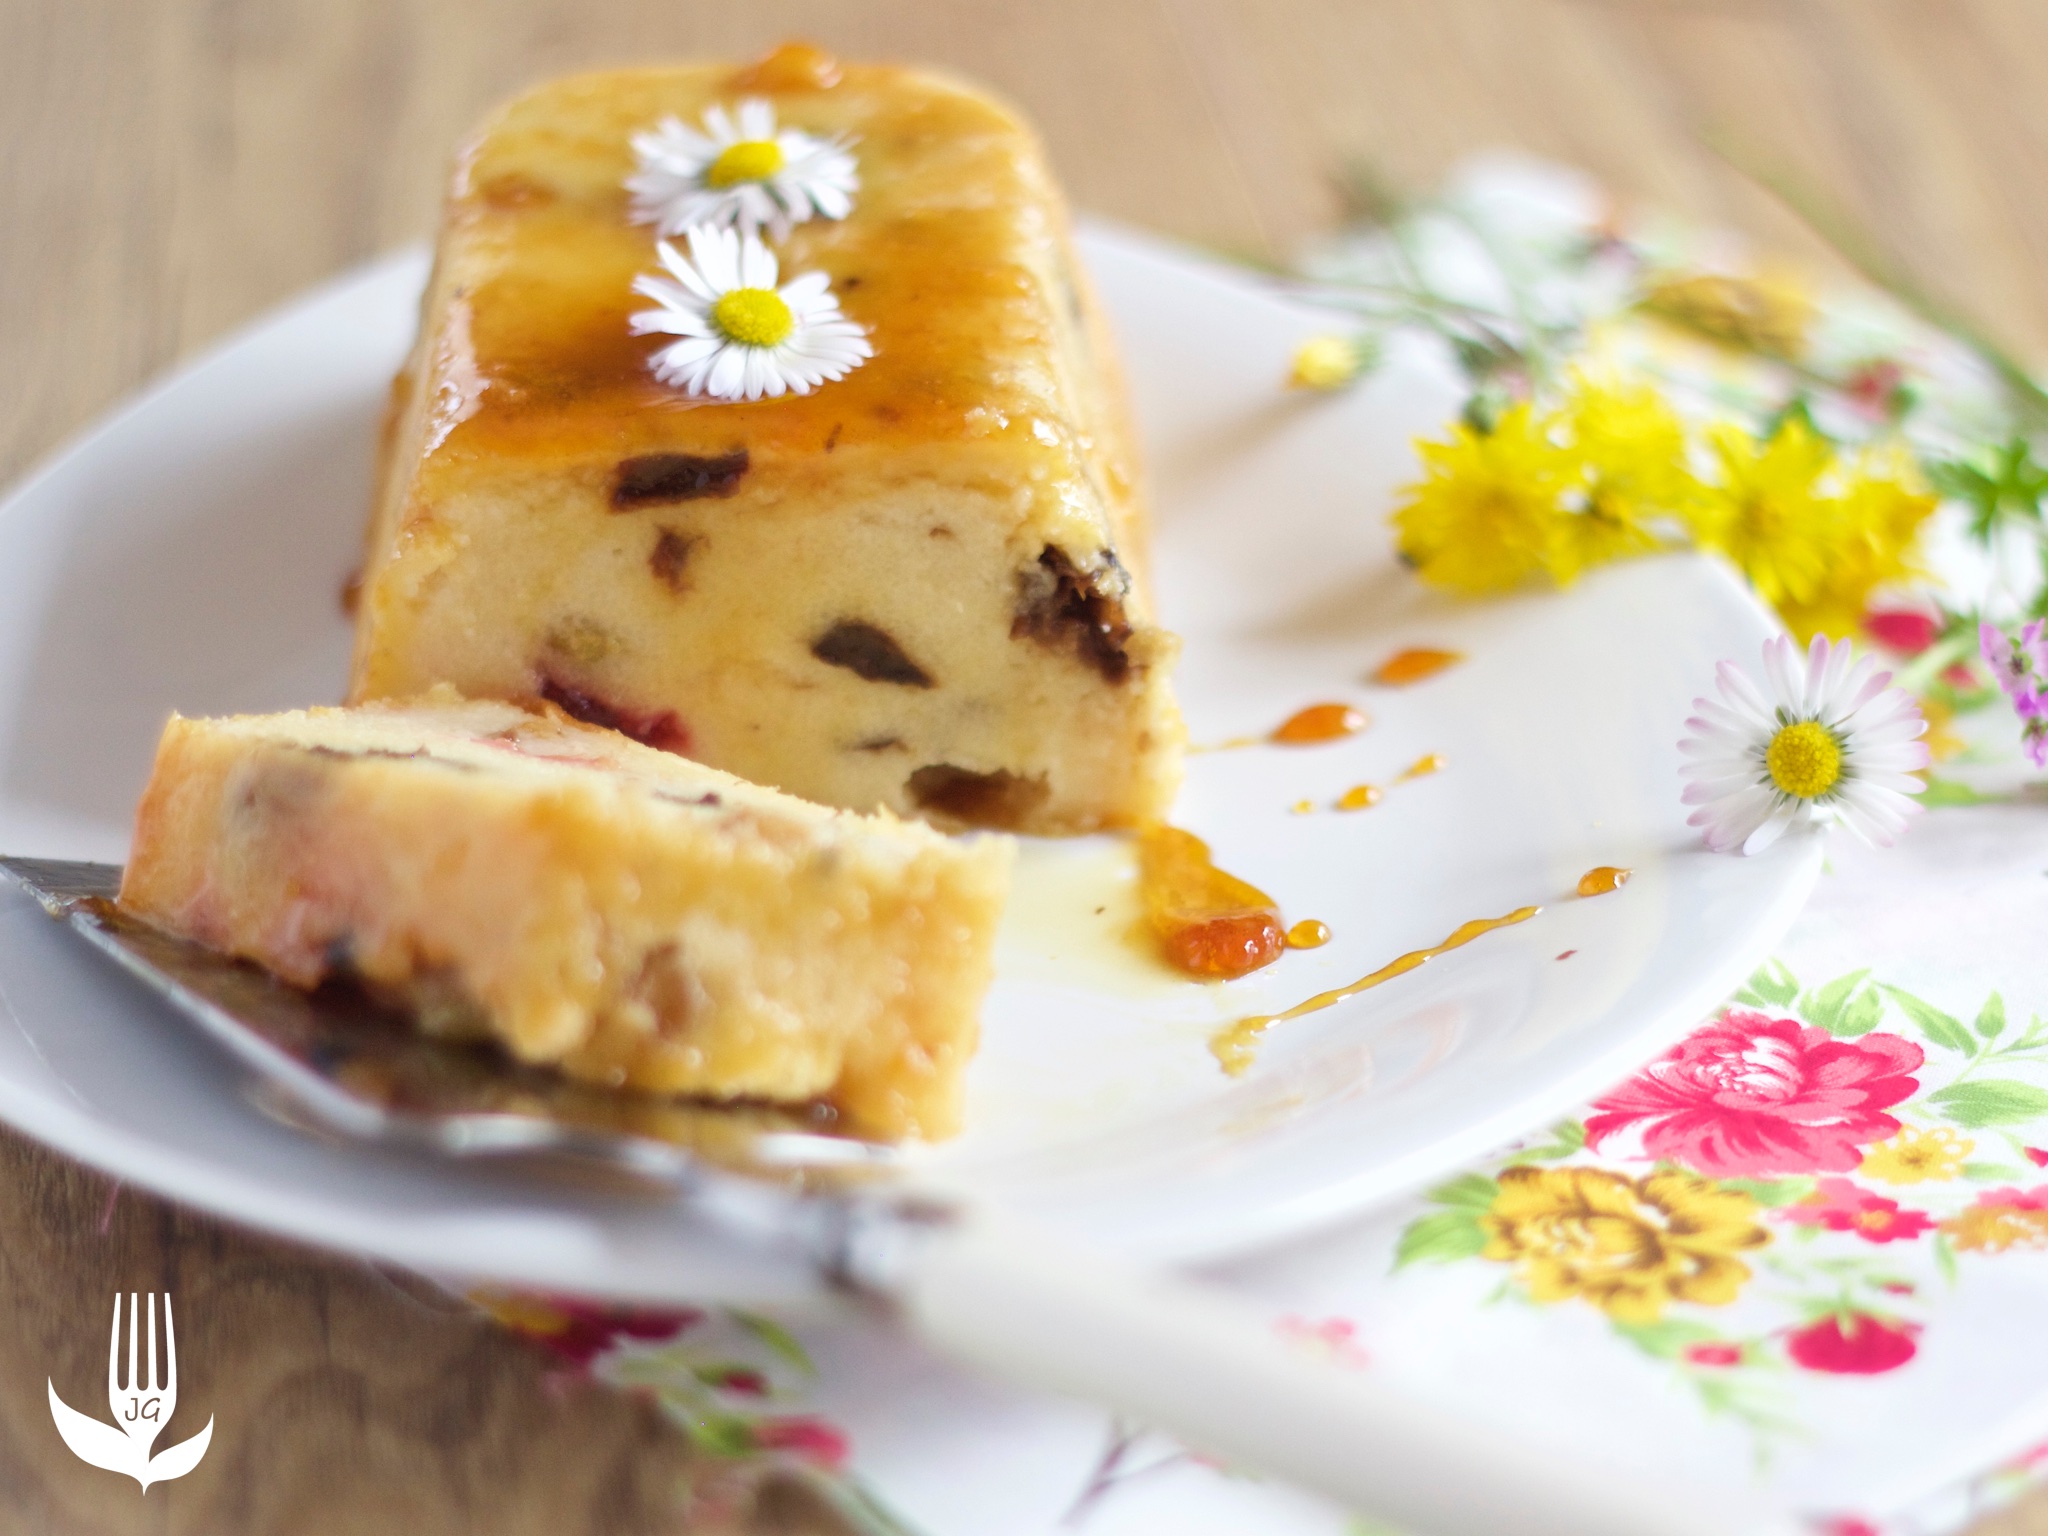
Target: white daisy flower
column 745, row 174
column 742, row 336
column 1831, row 742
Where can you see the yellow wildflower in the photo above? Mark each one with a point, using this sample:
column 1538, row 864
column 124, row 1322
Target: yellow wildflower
column 1878, row 522
column 1628, row 1246
column 1770, row 512
column 1753, row 314
column 1325, row 362
column 1917, row 1157
column 1631, row 449
column 1485, row 515
column 1993, row 1224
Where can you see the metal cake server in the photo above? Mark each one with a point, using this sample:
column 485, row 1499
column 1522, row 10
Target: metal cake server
column 1000, row 1296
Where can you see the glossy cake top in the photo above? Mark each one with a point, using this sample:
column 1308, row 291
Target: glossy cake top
column 952, row 259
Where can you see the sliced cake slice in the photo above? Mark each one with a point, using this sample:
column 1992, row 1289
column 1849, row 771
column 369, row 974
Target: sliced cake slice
column 631, row 917
column 920, row 586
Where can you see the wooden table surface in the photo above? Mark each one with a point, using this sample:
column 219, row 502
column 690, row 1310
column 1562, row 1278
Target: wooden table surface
column 174, row 167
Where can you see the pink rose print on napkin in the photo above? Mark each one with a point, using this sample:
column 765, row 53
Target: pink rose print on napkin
column 1840, row 1206
column 1718, row 1356
column 1752, row 1096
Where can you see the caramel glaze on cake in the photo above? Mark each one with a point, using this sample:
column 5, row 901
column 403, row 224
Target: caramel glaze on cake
column 627, row 916
column 921, row 587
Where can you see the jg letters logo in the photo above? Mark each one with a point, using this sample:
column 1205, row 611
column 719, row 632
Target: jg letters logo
column 142, row 1403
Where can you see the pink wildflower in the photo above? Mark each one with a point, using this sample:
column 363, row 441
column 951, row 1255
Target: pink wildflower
column 2020, row 663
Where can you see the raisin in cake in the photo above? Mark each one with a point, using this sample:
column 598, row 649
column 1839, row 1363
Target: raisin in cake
column 619, row 912
column 920, row 586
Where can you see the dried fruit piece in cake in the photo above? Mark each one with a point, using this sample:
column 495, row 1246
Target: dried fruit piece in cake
column 919, row 586
column 624, row 914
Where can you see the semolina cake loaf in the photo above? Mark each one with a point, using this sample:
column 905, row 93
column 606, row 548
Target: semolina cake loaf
column 913, row 579
column 623, row 914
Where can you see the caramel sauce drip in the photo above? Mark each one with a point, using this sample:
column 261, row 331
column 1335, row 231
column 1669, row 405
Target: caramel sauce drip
column 1598, row 882
column 1309, row 933
column 1320, row 722
column 794, row 66
column 1425, row 765
column 1414, row 665
column 1235, row 1044
column 1208, row 923
column 537, row 353
column 1361, row 797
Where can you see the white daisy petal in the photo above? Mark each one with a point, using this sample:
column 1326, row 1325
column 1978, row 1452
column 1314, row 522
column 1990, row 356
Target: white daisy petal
column 1878, row 821
column 1740, row 693
column 1894, row 754
column 1901, row 808
column 728, row 375
column 1730, row 823
column 1826, row 666
column 1893, row 717
column 715, row 253
column 1785, row 685
column 1775, row 826
column 810, row 294
column 758, row 267
column 833, row 202
column 693, row 348
column 680, row 312
column 1893, row 783
column 684, row 270
column 1719, row 718
column 1743, row 765
column 757, row 208
column 1725, row 771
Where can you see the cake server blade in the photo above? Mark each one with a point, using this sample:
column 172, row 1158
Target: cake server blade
column 996, row 1294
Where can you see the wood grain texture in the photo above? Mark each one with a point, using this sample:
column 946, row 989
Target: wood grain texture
column 174, row 167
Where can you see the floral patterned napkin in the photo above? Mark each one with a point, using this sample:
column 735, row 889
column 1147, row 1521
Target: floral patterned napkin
column 1806, row 1249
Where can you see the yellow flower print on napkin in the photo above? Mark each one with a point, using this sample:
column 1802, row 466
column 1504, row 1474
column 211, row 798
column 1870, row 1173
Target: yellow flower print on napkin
column 1628, row 1246
column 1917, row 1157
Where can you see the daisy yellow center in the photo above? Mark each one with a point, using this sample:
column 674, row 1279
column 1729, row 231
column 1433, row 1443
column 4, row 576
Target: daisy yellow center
column 1804, row 759
column 753, row 317
column 748, row 160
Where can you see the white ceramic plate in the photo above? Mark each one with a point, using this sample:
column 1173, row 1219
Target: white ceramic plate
column 189, row 551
